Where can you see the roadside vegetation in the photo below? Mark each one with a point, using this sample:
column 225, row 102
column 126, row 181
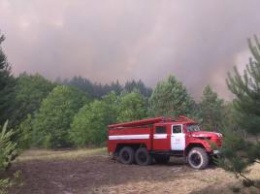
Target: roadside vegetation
column 50, row 155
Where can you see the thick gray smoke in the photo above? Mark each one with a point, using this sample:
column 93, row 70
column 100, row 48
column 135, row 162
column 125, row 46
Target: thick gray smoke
column 197, row 41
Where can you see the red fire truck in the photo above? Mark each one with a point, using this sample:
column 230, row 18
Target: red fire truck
column 157, row 139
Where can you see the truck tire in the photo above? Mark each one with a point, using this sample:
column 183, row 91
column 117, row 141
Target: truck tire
column 142, row 157
column 126, row 155
column 162, row 159
column 198, row 158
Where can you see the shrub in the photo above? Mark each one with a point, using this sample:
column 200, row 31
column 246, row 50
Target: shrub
column 8, row 150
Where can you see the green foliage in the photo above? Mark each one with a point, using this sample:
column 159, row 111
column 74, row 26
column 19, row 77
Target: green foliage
column 246, row 88
column 52, row 122
column 4, row 185
column 6, row 86
column 133, row 86
column 7, row 183
column 238, row 151
column 83, row 84
column 26, row 133
column 229, row 115
column 30, row 90
column 132, row 107
column 8, row 150
column 90, row 123
column 97, row 90
column 211, row 109
column 170, row 98
column 94, row 90
column 242, row 146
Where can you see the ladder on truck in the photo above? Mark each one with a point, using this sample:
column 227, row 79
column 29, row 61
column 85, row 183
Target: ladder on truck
column 139, row 123
column 149, row 121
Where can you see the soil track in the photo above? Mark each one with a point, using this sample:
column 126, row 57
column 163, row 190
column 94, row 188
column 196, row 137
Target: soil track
column 89, row 175
column 101, row 174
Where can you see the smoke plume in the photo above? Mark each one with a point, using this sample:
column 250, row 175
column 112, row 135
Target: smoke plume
column 108, row 40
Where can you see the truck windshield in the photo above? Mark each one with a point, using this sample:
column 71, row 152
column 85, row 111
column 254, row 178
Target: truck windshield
column 193, row 127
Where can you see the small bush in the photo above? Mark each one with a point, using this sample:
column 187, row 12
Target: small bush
column 8, row 151
column 4, row 185
column 7, row 183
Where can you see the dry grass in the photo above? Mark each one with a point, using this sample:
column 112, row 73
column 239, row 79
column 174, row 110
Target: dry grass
column 213, row 181
column 192, row 182
column 36, row 154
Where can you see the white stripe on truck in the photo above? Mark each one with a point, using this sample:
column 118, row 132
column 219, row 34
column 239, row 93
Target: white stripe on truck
column 128, row 137
column 160, row 136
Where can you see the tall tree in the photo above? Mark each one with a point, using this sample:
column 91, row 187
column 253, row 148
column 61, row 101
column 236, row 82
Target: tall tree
column 170, row 98
column 90, row 123
column 246, row 88
column 6, row 86
column 211, row 109
column 133, row 86
column 116, row 87
column 30, row 90
column 81, row 83
column 52, row 122
column 242, row 147
column 132, row 107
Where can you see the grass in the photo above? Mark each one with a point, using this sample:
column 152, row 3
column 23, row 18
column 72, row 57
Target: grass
column 40, row 154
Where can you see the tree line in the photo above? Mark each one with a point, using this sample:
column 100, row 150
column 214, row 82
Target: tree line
column 65, row 114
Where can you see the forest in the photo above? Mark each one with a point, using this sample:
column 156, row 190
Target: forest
column 72, row 113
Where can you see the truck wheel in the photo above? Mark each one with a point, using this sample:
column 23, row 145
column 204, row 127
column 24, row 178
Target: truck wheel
column 198, row 158
column 162, row 159
column 142, row 157
column 126, row 155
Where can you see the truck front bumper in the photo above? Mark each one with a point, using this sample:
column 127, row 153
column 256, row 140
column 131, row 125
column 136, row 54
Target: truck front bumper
column 216, row 152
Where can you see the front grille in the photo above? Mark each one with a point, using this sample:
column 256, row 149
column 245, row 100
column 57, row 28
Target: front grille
column 219, row 142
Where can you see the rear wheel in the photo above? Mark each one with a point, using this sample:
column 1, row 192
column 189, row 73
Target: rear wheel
column 198, row 158
column 126, row 155
column 142, row 157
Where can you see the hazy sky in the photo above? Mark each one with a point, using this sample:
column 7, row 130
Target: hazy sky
column 198, row 41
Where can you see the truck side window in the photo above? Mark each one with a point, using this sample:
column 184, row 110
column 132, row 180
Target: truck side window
column 176, row 129
column 160, row 130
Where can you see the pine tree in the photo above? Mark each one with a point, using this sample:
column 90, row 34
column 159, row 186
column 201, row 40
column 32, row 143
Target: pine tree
column 170, row 98
column 6, row 86
column 211, row 109
column 242, row 146
column 246, row 88
column 132, row 106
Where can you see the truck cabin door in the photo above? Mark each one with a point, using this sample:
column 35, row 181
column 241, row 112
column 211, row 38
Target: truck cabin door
column 161, row 138
column 178, row 138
